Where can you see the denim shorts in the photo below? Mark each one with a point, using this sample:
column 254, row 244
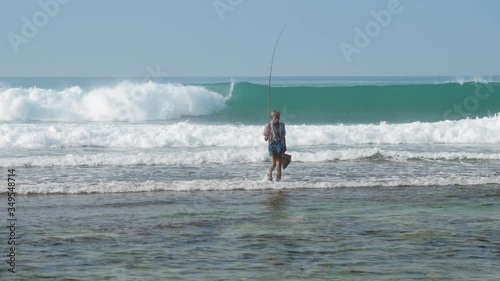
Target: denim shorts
column 276, row 149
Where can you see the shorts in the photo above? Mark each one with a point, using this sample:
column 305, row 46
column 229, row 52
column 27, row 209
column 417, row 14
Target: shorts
column 276, row 149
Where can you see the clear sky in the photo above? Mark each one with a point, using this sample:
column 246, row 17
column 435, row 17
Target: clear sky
column 237, row 37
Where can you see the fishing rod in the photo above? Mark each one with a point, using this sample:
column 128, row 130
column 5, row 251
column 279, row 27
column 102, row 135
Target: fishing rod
column 270, row 74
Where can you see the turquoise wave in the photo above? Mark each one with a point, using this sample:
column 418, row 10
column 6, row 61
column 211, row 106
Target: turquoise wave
column 247, row 103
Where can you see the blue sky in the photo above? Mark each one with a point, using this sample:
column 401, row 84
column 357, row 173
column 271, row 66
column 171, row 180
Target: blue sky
column 237, row 37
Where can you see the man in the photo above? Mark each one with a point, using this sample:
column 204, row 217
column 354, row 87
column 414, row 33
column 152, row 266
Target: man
column 274, row 134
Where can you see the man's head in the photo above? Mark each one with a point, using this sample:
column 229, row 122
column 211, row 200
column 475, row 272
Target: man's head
column 275, row 116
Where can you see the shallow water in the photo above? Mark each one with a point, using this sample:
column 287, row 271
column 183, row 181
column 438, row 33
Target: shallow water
column 166, row 180
column 374, row 233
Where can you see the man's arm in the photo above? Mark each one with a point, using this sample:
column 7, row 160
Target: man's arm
column 266, row 132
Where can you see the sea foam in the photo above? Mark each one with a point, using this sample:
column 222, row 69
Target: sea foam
column 186, row 134
column 229, row 156
column 126, row 101
column 245, row 184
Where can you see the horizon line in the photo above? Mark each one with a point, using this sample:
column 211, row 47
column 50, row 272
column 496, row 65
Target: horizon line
column 259, row 76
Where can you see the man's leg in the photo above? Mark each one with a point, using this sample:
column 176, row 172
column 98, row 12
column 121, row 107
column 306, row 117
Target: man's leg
column 273, row 164
column 278, row 171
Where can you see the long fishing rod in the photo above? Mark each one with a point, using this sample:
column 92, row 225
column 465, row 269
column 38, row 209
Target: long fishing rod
column 270, row 74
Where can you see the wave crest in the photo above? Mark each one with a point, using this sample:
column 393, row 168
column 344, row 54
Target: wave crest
column 124, row 102
column 185, row 134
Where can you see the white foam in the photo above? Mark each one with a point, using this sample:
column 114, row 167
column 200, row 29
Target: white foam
column 230, row 156
column 124, row 102
column 480, row 131
column 478, row 79
column 231, row 89
column 185, row 134
column 182, row 157
column 257, row 184
column 377, row 153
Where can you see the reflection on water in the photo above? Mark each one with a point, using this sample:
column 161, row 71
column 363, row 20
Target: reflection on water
column 277, row 201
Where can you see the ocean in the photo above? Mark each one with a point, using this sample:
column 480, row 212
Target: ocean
column 392, row 178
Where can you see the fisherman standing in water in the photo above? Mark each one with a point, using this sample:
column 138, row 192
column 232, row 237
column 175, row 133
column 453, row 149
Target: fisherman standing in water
column 274, row 134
